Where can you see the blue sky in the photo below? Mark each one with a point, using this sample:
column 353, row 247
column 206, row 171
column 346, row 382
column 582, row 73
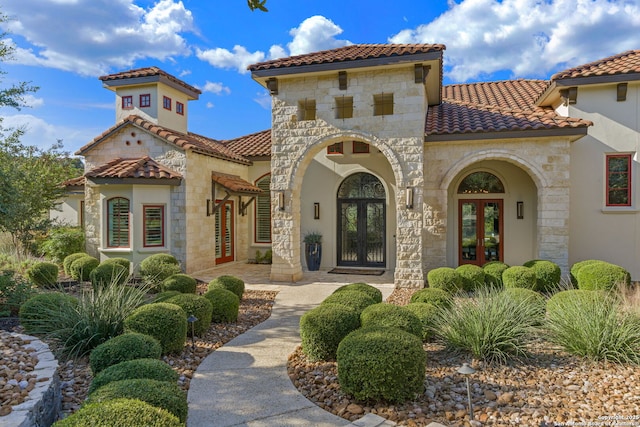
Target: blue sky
column 62, row 46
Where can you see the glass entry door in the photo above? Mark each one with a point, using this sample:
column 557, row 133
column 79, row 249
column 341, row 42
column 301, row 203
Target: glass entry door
column 480, row 231
column 224, row 232
column 362, row 231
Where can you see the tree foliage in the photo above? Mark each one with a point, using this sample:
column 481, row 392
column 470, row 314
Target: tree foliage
column 257, row 4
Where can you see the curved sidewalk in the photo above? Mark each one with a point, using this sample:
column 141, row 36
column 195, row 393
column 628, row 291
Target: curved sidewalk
column 245, row 382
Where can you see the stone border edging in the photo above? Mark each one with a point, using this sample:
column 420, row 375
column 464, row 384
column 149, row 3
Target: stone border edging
column 43, row 405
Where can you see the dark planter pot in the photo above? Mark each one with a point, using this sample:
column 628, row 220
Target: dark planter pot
column 313, row 255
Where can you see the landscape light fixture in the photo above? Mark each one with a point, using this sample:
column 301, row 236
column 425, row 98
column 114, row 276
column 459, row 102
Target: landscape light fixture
column 192, row 319
column 467, row 370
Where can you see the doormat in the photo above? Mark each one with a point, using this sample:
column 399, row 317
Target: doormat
column 363, row 271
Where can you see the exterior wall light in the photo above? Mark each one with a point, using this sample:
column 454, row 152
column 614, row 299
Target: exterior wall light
column 316, row 210
column 409, row 197
column 520, row 210
column 281, row 200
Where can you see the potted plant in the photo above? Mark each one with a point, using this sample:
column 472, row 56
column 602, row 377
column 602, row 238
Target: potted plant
column 313, row 250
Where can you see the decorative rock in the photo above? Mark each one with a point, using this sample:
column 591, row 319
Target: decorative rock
column 489, row 395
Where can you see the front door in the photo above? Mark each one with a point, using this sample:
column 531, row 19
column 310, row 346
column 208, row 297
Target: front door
column 361, row 222
column 480, row 231
column 224, row 232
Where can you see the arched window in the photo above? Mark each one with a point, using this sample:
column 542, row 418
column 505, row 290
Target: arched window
column 263, row 211
column 361, row 186
column 481, row 183
column 118, row 222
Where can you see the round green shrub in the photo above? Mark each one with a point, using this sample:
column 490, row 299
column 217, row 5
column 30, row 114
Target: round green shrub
column 322, row 329
column 381, row 364
column 160, row 394
column 108, row 273
column 82, row 267
column 198, row 306
column 519, row 276
column 180, row 282
column 548, row 274
column 355, row 299
column 164, row 296
column 38, row 309
column 434, row 296
column 493, row 273
column 124, row 347
column 153, row 369
column 561, row 299
column 575, row 268
column 425, row 312
column 163, row 321
column 66, row 263
column 120, row 412
column 372, row 291
column 225, row 305
column 528, row 296
column 157, row 267
column 472, row 276
column 43, row 274
column 602, row 276
column 120, row 261
column 385, row 315
column 445, row 278
column 229, row 283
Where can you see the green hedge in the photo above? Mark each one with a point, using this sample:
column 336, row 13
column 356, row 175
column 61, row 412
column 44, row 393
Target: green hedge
column 63, row 241
column 548, row 274
column 198, row 306
column 66, row 263
column 519, row 276
column 225, row 305
column 472, row 276
column 602, row 276
column 435, row 296
column 372, row 291
column 354, row 299
column 575, row 268
column 381, row 364
column 43, row 274
column 38, row 309
column 445, row 278
column 82, row 267
column 153, row 369
column 425, row 312
column 493, row 273
column 229, row 283
column 109, row 272
column 163, row 321
column 564, row 298
column 180, row 282
column 164, row 296
column 120, row 412
column 155, row 268
column 385, row 315
column 322, row 329
column 123, row 347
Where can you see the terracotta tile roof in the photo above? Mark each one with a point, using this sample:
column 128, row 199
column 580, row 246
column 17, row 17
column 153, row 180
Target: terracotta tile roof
column 254, row 145
column 348, row 53
column 190, row 141
column 142, row 167
column 494, row 107
column 234, row 183
column 74, row 182
column 148, row 72
column 623, row 63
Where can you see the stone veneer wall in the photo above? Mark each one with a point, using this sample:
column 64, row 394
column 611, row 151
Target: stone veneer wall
column 399, row 137
column 547, row 161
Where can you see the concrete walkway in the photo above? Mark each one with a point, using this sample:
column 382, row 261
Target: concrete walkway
column 245, row 382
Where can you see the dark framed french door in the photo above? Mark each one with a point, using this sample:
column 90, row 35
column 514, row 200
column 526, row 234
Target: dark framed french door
column 480, row 231
column 361, row 232
column 224, row 247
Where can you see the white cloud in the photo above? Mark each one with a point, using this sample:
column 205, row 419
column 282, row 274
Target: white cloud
column 314, row 34
column 32, row 101
column 90, row 37
column 217, row 88
column 277, row 51
column 530, row 38
column 210, row 105
column 239, row 59
column 263, row 99
column 42, row 134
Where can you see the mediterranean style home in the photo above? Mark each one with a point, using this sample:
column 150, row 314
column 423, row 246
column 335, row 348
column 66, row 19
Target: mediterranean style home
column 367, row 147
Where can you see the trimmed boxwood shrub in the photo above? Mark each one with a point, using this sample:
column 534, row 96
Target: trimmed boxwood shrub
column 43, row 274
column 602, row 276
column 108, row 272
column 573, row 273
column 425, row 312
column 182, row 283
column 163, row 321
column 120, row 412
column 157, row 267
column 124, row 347
column 434, row 296
column 153, row 369
column 384, row 315
column 322, row 329
column 198, row 306
column 372, row 291
column 355, row 299
column 82, row 267
column 519, row 276
column 528, row 296
column 445, row 278
column 493, row 273
column 230, row 283
column 381, row 364
column 472, row 276
column 160, row 394
column 164, row 296
column 66, row 263
column 548, row 274
column 225, row 305
column 37, row 309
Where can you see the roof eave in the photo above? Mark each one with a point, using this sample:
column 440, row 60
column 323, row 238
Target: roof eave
column 136, row 181
column 573, row 133
column 111, row 84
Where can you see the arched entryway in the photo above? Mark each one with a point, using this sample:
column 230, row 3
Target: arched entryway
column 361, row 203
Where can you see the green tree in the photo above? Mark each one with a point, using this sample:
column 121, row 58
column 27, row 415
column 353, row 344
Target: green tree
column 257, row 4
column 30, row 177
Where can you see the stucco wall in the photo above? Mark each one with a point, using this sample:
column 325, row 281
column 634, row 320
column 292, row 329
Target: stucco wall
column 68, row 211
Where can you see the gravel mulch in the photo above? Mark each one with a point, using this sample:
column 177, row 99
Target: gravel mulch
column 548, row 387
